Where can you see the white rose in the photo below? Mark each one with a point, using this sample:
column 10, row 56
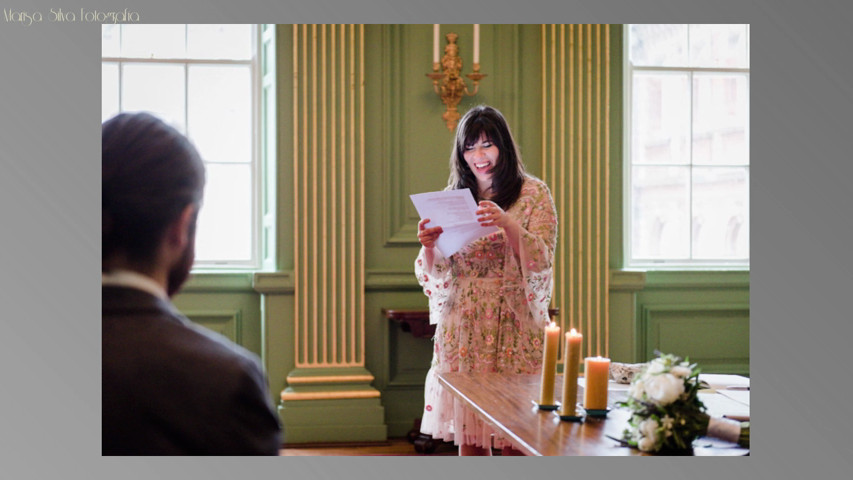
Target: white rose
column 637, row 389
column 680, row 371
column 646, row 444
column 655, row 366
column 664, row 389
column 648, row 428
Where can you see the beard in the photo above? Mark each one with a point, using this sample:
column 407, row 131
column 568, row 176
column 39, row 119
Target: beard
column 180, row 271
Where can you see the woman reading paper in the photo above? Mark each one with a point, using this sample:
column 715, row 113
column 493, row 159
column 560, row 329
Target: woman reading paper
column 490, row 299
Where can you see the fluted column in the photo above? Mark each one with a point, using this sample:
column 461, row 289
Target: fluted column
column 575, row 164
column 329, row 219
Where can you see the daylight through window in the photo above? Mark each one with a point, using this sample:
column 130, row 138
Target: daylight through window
column 201, row 79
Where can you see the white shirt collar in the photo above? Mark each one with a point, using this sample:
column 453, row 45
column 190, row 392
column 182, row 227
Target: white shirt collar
column 127, row 278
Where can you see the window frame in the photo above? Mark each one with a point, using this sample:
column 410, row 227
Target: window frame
column 256, row 262
column 630, row 262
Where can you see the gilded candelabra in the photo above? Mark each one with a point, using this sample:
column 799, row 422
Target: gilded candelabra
column 448, row 83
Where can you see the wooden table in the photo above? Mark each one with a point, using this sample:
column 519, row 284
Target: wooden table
column 507, row 403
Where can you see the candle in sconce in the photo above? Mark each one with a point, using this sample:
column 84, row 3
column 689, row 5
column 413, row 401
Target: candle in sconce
column 476, row 43
column 597, row 373
column 571, row 365
column 435, row 43
column 549, row 364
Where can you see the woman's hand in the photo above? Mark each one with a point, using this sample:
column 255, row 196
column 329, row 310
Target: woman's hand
column 490, row 214
column 428, row 236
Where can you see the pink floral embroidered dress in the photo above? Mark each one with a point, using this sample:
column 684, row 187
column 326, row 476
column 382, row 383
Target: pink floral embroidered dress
column 490, row 307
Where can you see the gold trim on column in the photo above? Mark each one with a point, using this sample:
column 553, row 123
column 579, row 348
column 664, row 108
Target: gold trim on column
column 296, row 244
column 607, row 189
column 352, row 185
column 562, row 185
column 590, row 253
column 570, row 165
column 315, row 318
column 553, row 99
column 598, row 209
column 304, row 294
column 324, row 207
column 334, row 202
column 362, row 194
column 544, row 34
column 336, row 395
column 330, row 379
column 346, row 218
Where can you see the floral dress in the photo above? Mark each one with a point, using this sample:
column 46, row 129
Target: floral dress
column 490, row 307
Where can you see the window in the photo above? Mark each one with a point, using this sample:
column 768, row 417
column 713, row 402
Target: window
column 202, row 80
column 687, row 145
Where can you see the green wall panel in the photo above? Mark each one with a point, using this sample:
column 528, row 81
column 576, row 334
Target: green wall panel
column 715, row 336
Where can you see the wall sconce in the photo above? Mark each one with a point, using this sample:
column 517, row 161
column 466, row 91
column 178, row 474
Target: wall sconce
column 448, row 83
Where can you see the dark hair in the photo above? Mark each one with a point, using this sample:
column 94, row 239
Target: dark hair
column 150, row 172
column 508, row 174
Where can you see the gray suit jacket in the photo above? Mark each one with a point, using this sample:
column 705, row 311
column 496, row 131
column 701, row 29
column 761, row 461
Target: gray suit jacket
column 170, row 387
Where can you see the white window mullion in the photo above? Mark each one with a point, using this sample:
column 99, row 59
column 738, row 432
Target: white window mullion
column 692, row 97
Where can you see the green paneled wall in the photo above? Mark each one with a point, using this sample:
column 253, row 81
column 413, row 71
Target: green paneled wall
column 702, row 314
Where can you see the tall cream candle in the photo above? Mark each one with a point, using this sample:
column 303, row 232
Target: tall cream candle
column 476, row 43
column 571, row 365
column 549, row 364
column 435, row 43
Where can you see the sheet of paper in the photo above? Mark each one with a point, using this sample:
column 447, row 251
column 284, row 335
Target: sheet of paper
column 611, row 385
column 720, row 381
column 741, row 396
column 453, row 211
column 616, row 392
column 719, row 405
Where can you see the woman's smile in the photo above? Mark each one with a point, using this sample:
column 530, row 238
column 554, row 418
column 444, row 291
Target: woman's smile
column 482, row 157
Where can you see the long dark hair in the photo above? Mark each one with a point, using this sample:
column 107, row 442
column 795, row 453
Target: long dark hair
column 150, row 172
column 508, row 174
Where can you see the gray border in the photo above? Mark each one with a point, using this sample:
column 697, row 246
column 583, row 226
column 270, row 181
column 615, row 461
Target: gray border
column 802, row 268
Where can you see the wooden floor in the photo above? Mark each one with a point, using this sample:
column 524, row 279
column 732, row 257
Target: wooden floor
column 393, row 447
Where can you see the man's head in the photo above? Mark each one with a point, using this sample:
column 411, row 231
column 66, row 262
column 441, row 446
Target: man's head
column 152, row 185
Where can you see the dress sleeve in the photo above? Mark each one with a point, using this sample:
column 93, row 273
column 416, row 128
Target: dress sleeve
column 437, row 282
column 534, row 265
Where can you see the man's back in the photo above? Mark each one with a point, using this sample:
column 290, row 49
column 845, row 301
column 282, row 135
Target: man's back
column 173, row 388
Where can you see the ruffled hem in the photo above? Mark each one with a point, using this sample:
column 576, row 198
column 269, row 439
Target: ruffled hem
column 477, row 431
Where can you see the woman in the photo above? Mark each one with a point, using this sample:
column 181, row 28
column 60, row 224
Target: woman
column 490, row 300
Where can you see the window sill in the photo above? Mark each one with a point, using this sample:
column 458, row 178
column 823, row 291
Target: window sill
column 697, row 279
column 218, row 281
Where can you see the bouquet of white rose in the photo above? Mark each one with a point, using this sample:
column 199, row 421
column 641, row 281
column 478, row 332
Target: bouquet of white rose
column 667, row 413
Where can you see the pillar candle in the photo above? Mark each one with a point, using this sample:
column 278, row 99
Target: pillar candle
column 549, row 364
column 597, row 372
column 435, row 43
column 571, row 364
column 476, row 43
